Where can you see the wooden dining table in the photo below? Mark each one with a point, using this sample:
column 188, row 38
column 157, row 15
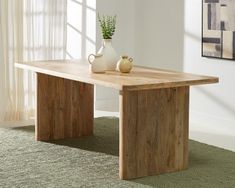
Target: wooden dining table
column 153, row 106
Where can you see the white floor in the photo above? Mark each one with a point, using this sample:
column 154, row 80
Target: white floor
column 216, row 139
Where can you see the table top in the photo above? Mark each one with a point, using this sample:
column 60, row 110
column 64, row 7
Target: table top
column 139, row 78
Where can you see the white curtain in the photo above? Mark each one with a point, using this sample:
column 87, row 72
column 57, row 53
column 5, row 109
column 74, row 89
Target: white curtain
column 29, row 30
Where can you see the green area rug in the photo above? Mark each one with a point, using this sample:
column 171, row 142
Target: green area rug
column 93, row 162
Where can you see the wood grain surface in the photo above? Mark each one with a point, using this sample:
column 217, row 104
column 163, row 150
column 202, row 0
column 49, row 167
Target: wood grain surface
column 139, row 78
column 64, row 108
column 154, row 111
column 153, row 131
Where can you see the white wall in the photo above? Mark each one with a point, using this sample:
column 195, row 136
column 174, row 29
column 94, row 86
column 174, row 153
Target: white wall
column 167, row 34
column 123, row 42
column 159, row 33
column 212, row 106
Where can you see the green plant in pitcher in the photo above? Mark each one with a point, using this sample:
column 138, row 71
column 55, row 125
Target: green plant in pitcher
column 108, row 25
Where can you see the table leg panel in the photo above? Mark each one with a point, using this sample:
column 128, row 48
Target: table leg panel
column 153, row 131
column 64, row 108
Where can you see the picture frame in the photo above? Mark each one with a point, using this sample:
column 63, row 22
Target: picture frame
column 218, row 29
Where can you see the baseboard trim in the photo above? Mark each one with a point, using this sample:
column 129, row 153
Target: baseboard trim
column 206, row 123
column 17, row 123
column 110, row 105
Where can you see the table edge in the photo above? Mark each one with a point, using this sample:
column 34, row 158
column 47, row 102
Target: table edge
column 207, row 80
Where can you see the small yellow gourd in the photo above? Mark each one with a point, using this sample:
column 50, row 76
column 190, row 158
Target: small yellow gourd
column 125, row 64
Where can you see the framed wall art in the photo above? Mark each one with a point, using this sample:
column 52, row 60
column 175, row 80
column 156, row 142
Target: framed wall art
column 218, row 29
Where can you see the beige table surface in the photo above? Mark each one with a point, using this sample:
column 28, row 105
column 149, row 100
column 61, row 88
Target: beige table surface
column 139, row 78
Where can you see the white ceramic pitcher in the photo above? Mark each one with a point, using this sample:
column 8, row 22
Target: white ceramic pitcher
column 109, row 54
column 97, row 63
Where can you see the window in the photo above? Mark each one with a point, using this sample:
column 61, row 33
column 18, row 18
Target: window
column 81, row 28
